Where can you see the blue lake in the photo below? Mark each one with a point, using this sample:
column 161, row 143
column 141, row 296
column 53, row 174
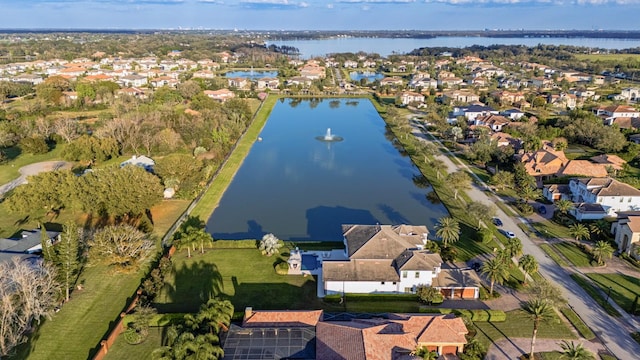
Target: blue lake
column 369, row 76
column 300, row 188
column 389, row 46
column 253, row 75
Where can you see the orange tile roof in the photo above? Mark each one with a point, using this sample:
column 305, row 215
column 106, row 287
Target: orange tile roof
column 289, row 318
column 584, row 168
column 614, row 161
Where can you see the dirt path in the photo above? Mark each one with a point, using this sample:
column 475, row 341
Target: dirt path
column 33, row 169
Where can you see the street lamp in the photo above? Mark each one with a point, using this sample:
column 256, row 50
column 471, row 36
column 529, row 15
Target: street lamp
column 608, row 294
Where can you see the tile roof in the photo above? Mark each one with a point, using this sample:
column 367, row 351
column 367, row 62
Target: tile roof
column 289, row 318
column 339, row 342
column 456, row 278
column 584, row 168
column 614, row 161
column 381, row 241
column 417, row 260
column 360, row 270
column 634, row 224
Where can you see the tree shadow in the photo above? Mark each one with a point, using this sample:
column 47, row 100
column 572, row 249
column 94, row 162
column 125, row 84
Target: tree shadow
column 192, row 285
column 393, row 215
column 324, row 223
column 254, row 231
column 275, row 296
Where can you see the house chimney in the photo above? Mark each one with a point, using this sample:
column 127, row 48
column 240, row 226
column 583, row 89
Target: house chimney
column 248, row 311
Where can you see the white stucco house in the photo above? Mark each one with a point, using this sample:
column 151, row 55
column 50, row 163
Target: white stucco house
column 609, row 194
column 626, row 231
column 392, row 259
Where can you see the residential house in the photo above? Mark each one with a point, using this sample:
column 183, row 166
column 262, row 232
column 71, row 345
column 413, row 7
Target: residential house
column 408, row 97
column 204, row 74
column 513, row 114
column 470, row 112
column 164, row 81
column 460, row 96
column 350, row 64
column 613, row 196
column 563, row 100
column 24, row 247
column 543, row 163
column 221, row 95
column 583, row 168
column 508, row 97
column 313, row 71
column 542, row 83
column 133, row 91
column 309, row 334
column 630, row 94
column 268, row 83
column 239, row 83
column 391, row 81
column 28, row 78
column 450, row 81
column 555, row 192
column 503, row 139
column 624, row 122
column 492, row 121
column 133, row 81
column 626, row 231
column 142, row 161
column 392, row 259
column 609, row 114
column 613, row 161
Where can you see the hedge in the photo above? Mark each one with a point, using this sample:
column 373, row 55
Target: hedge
column 444, row 311
column 235, row 244
column 157, row 319
column 335, row 298
column 482, row 315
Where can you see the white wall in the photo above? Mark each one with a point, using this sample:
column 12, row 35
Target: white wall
column 613, row 204
column 359, row 287
column 425, row 278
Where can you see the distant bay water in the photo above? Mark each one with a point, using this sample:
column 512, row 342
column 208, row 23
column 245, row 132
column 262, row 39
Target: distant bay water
column 390, row 46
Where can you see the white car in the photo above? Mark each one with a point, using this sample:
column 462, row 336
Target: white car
column 509, row 234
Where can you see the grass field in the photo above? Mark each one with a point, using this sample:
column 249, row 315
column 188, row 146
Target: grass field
column 595, row 294
column 75, row 331
column 553, row 254
column 551, row 229
column 244, row 276
column 9, row 169
column 166, row 213
column 624, row 288
column 121, row 350
column 607, row 57
column 574, row 254
column 520, row 325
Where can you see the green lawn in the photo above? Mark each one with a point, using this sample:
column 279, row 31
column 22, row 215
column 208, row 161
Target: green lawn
column 553, row 254
column 166, row 213
column 595, row 294
column 581, row 152
column 607, row 57
column 624, row 288
column 520, row 325
column 577, row 323
column 76, row 330
column 9, row 169
column 551, row 229
column 121, row 350
column 574, row 254
column 244, row 276
column 212, row 196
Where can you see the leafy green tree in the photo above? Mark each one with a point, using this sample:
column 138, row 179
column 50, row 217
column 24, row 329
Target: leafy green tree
column 473, row 350
column 502, row 180
column 513, row 247
column 579, row 231
column 480, row 211
column 89, row 149
column 539, row 310
column 485, row 235
column 573, row 351
column 543, row 289
column 85, row 91
column 34, row 145
column 438, row 166
column 602, row 250
column 269, row 245
column 448, row 230
column 528, row 193
column 529, row 265
column 51, row 191
column 48, row 250
column 459, row 181
column 496, row 270
column 428, row 294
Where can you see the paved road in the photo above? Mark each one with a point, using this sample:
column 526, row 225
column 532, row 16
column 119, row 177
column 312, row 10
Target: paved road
column 613, row 332
column 513, row 348
column 33, row 169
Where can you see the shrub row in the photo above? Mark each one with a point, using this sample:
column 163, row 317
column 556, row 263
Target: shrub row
column 577, row 323
column 335, row 298
column 157, row 320
column 473, row 315
column 235, row 244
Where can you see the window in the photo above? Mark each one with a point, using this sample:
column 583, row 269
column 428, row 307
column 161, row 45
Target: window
column 394, row 283
column 417, row 274
column 621, row 199
column 407, row 290
column 405, row 274
column 381, row 282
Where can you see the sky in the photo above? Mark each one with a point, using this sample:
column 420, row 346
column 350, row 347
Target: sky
column 322, row 14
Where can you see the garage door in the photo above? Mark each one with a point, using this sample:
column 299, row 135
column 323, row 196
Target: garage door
column 449, row 350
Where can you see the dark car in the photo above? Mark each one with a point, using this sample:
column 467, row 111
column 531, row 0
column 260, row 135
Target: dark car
column 542, row 209
column 476, row 266
column 497, row 222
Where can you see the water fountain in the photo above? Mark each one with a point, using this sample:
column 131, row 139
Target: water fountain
column 329, row 137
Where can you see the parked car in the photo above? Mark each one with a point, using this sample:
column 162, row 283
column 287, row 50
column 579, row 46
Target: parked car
column 476, row 266
column 496, row 221
column 509, row 234
column 542, row 209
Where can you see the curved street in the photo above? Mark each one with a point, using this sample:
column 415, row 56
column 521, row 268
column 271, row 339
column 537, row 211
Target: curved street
column 613, row 332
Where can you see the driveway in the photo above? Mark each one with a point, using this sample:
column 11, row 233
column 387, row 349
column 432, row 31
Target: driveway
column 613, row 332
column 34, row 169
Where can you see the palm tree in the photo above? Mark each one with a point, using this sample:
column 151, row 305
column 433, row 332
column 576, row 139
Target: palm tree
column 563, row 206
column 448, row 229
column 529, row 265
column 513, row 247
column 579, row 231
column 270, row 244
column 571, row 351
column 186, row 242
column 459, row 180
column 528, row 192
column 480, row 211
column 538, row 310
column 599, row 228
column 601, row 250
column 496, row 271
column 215, row 315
